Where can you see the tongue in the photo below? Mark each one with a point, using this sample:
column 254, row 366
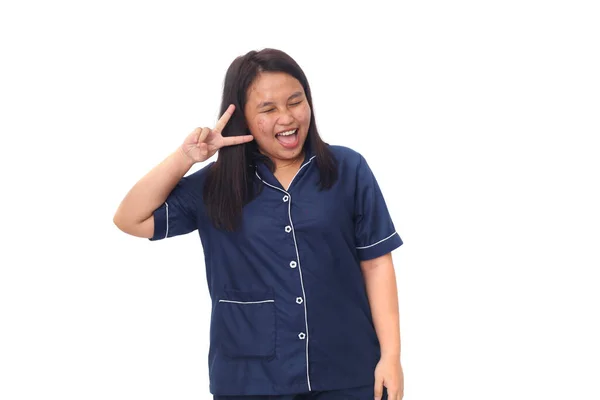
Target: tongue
column 289, row 139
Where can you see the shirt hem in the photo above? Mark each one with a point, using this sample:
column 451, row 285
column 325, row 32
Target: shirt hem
column 381, row 248
column 160, row 223
column 297, row 388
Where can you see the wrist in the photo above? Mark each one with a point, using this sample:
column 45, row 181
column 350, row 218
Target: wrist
column 391, row 356
column 183, row 159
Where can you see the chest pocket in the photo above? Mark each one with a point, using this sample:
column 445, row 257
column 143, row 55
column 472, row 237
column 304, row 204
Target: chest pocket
column 246, row 324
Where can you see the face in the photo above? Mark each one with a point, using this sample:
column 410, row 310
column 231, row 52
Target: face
column 278, row 115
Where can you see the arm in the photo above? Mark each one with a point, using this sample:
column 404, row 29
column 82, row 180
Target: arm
column 135, row 213
column 380, row 281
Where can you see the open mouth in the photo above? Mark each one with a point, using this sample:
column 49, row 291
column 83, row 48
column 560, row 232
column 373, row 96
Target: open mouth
column 288, row 139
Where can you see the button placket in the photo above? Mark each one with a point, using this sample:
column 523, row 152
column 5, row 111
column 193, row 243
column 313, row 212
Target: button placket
column 295, row 263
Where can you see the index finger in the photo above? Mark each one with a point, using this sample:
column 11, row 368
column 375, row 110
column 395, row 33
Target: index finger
column 233, row 140
column 224, row 119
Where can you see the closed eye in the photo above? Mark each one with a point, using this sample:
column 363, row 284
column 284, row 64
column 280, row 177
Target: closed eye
column 273, row 109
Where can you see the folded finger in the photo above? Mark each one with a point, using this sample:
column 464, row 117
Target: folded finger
column 203, row 134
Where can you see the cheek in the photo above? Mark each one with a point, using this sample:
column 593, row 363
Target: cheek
column 304, row 115
column 262, row 125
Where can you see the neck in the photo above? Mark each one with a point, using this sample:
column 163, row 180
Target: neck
column 289, row 165
column 283, row 166
column 286, row 170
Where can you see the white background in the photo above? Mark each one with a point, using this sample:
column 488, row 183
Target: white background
column 479, row 119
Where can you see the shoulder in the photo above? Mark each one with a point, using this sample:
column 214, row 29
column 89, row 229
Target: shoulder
column 200, row 173
column 352, row 165
column 346, row 155
column 194, row 181
column 349, row 160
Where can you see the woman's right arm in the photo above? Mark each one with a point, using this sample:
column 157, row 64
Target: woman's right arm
column 135, row 214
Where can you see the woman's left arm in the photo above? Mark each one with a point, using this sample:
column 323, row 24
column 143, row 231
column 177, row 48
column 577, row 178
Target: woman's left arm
column 380, row 281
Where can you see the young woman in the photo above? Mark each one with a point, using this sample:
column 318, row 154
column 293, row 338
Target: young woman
column 297, row 241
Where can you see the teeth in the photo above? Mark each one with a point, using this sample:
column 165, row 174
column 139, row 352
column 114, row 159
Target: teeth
column 287, row 133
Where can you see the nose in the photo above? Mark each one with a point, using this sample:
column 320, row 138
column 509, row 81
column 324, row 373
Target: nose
column 285, row 117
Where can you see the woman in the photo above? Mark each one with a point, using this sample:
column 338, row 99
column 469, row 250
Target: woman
column 297, row 242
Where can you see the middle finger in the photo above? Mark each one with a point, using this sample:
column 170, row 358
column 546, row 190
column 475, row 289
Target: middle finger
column 203, row 134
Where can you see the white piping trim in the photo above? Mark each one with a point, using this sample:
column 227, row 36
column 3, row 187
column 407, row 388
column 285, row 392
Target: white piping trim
column 374, row 244
column 288, row 188
column 246, row 302
column 298, row 258
column 167, row 232
column 302, row 285
column 299, row 169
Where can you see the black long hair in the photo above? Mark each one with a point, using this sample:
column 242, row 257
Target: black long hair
column 230, row 183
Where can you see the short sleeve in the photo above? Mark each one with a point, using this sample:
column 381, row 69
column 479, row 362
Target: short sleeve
column 375, row 233
column 179, row 213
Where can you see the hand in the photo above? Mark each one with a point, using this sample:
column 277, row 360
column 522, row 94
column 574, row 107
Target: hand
column 388, row 373
column 203, row 143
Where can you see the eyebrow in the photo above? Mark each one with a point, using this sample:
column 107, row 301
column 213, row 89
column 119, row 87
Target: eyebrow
column 270, row 103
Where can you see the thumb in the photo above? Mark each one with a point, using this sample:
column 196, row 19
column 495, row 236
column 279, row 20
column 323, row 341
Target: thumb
column 378, row 387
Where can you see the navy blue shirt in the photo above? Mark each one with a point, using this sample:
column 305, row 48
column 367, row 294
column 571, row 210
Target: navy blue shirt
column 290, row 311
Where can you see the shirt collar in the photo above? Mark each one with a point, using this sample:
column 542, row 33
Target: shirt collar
column 264, row 173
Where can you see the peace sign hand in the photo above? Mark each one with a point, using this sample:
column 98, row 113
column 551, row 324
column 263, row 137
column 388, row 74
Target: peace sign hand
column 203, row 143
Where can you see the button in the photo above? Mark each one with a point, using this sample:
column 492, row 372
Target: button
column 299, row 300
column 293, row 264
column 301, row 336
column 285, row 198
column 288, row 229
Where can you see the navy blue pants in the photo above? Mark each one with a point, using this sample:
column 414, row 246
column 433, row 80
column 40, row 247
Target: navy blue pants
column 360, row 393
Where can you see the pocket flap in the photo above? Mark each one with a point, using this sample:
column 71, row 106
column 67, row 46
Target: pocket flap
column 246, row 324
